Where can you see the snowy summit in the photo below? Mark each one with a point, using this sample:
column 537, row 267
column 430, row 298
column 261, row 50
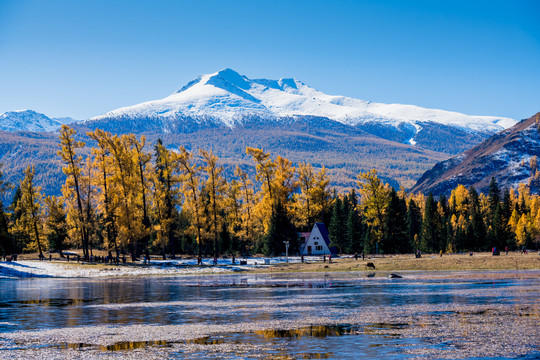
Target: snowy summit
column 27, row 120
column 229, row 98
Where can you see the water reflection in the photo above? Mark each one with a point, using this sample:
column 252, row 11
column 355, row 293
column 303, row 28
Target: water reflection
column 44, row 303
column 314, row 331
column 119, row 346
column 48, row 303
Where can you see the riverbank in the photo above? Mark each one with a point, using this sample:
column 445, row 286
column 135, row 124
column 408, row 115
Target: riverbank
column 371, row 265
column 408, row 262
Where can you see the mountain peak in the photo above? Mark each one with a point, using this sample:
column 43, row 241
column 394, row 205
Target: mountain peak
column 27, row 120
column 228, row 79
column 230, row 75
column 227, row 96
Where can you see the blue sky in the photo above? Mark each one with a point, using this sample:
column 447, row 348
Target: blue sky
column 83, row 58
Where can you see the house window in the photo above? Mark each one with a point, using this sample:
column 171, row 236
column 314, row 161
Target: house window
column 316, row 243
column 318, row 247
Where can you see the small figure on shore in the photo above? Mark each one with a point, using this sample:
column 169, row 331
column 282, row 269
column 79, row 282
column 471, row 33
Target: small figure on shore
column 440, row 253
column 324, row 258
column 233, row 259
column 330, row 258
column 506, row 250
column 363, row 256
column 302, row 258
column 215, row 260
column 418, row 254
column 355, row 256
column 50, row 257
column 199, row 260
column 147, row 256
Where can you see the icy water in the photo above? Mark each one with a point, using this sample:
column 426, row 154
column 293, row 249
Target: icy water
column 295, row 316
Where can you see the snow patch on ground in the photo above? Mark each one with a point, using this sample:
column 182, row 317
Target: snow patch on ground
column 27, row 269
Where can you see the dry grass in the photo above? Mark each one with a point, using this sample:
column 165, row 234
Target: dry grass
column 478, row 261
column 387, row 263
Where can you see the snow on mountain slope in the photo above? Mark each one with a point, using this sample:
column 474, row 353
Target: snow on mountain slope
column 27, row 120
column 231, row 97
column 505, row 156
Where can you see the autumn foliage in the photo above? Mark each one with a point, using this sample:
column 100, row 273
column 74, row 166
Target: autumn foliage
column 128, row 196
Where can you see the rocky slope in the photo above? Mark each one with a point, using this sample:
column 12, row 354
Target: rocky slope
column 509, row 156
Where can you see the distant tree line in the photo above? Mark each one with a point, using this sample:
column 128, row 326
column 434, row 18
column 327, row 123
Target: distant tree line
column 128, row 197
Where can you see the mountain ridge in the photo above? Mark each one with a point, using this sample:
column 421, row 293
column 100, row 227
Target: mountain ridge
column 30, row 120
column 505, row 156
column 231, row 98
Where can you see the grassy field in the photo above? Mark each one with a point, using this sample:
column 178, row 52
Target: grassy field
column 478, row 261
column 387, row 263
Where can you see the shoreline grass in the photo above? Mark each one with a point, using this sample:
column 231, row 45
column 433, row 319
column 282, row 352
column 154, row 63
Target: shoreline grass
column 383, row 264
column 430, row 262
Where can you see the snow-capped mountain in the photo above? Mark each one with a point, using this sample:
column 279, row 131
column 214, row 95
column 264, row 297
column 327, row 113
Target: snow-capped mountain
column 506, row 156
column 228, row 98
column 29, row 120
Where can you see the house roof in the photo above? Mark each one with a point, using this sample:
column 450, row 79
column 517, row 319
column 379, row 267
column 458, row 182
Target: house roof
column 324, row 232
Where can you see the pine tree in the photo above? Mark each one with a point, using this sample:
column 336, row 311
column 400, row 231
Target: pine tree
column 494, row 195
column 353, row 231
column 306, row 179
column 166, row 195
column 248, row 202
column 375, row 196
column 143, row 171
column 414, row 223
column 266, row 197
column 104, row 165
column 216, row 186
column 507, row 205
column 73, row 162
column 281, row 229
column 191, row 179
column 336, row 229
column 56, row 224
column 477, row 232
column 125, row 182
column 314, row 198
column 430, row 234
column 6, row 245
column 500, row 234
column 4, row 185
column 29, row 206
column 18, row 237
column 225, row 241
column 396, row 240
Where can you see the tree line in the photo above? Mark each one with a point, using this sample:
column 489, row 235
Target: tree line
column 129, row 197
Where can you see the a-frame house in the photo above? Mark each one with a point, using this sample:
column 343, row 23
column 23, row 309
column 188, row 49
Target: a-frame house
column 318, row 242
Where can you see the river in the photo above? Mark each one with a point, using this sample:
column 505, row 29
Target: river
column 475, row 315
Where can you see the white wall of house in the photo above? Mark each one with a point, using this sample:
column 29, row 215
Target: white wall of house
column 315, row 245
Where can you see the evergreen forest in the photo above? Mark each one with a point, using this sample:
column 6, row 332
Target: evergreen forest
column 130, row 197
